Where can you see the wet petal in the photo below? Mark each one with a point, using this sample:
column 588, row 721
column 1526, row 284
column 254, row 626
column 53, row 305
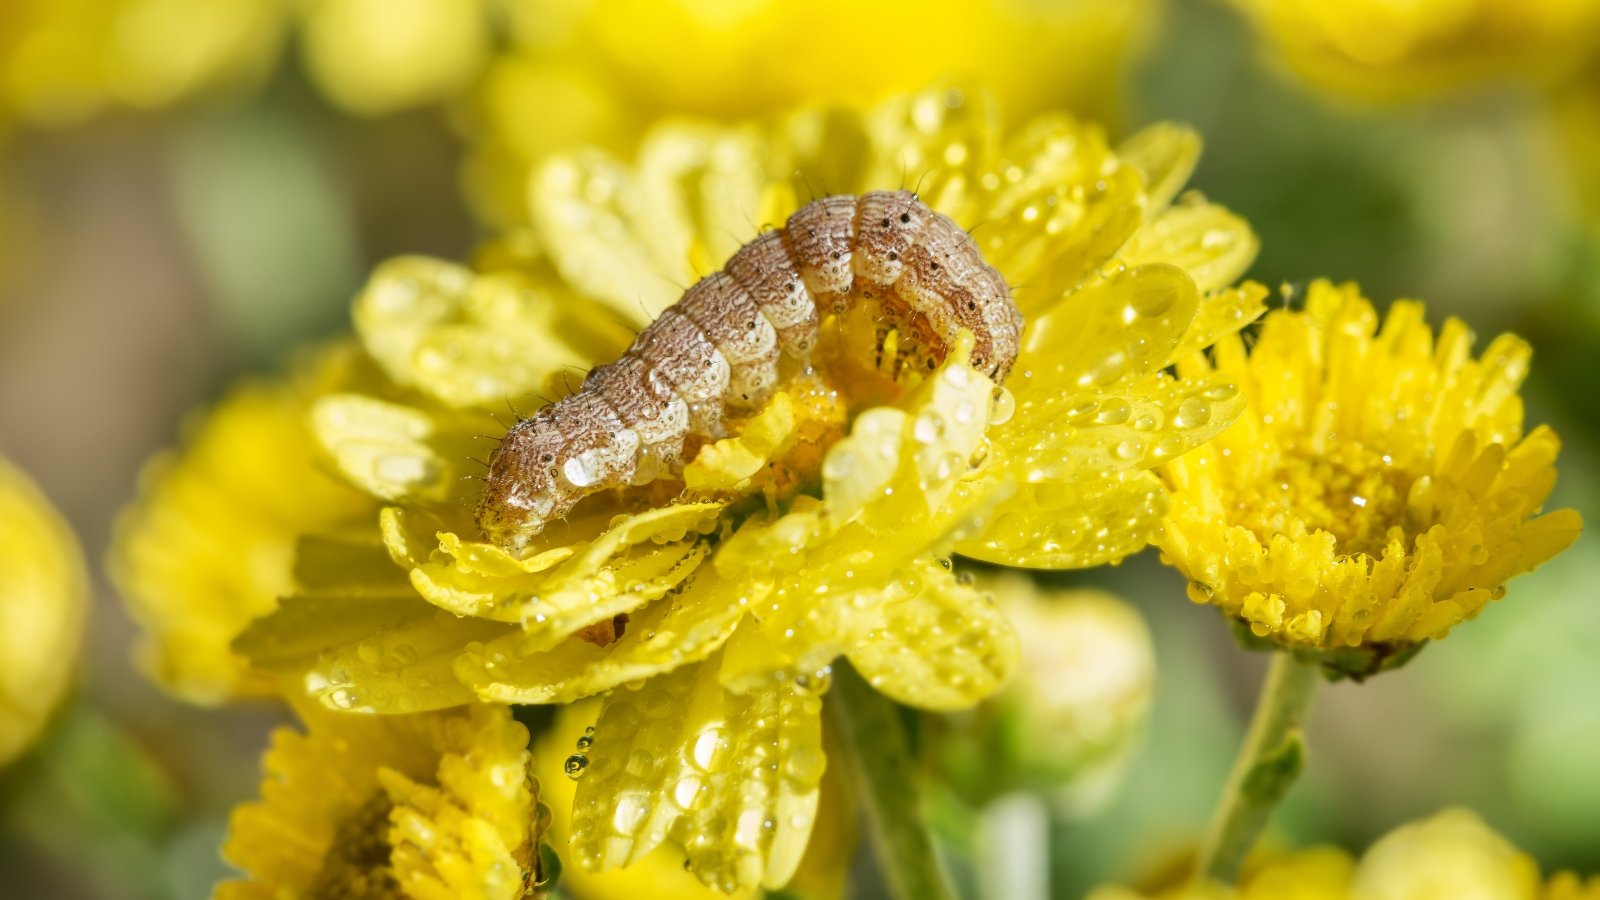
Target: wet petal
column 1211, row 244
column 1072, row 525
column 732, row 778
column 396, row 452
column 946, row 647
column 1120, row 328
column 479, row 340
column 378, row 654
column 1165, row 155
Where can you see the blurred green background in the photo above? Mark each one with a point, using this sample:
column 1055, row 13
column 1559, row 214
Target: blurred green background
column 149, row 258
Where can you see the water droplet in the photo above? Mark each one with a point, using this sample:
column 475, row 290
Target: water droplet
column 1114, row 411
column 1005, row 406
column 1192, row 413
column 575, row 766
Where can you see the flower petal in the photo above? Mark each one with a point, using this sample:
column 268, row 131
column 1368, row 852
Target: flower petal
column 1165, row 154
column 673, row 631
column 1072, row 525
column 1117, row 329
column 479, row 340
column 946, row 647
column 379, row 654
column 395, row 452
column 734, row 778
column 1210, row 243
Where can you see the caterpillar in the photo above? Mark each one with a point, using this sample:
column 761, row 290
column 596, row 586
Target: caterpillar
column 722, row 350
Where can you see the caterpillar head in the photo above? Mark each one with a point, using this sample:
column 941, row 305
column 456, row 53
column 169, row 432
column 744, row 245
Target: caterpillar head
column 523, row 490
column 546, row 464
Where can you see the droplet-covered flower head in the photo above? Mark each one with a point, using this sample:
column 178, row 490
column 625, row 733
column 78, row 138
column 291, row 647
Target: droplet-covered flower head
column 710, row 599
column 427, row 807
column 1378, row 491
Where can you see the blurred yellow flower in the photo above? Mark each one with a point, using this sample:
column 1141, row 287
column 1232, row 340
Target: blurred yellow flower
column 1385, row 49
column 378, row 56
column 712, row 610
column 44, row 595
column 1379, row 490
column 589, row 72
column 1069, row 721
column 1318, row 873
column 1452, row 854
column 211, row 542
column 434, row 806
column 61, row 61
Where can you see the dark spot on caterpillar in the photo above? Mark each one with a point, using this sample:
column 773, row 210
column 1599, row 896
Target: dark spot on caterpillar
column 716, row 354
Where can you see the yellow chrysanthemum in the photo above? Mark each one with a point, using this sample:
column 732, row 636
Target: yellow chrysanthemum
column 711, row 610
column 44, row 594
column 377, row 56
column 1383, row 49
column 1378, row 491
column 62, row 60
column 433, row 806
column 1069, row 721
column 589, row 72
column 1318, row 873
column 211, row 543
column 1451, row 854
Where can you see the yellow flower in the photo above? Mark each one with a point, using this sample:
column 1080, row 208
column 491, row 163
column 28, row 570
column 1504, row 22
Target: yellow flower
column 586, row 72
column 63, row 60
column 1452, row 854
column 431, row 806
column 711, row 610
column 1318, row 873
column 378, row 56
column 44, row 594
column 1378, row 491
column 1069, row 721
column 211, row 542
column 1383, row 49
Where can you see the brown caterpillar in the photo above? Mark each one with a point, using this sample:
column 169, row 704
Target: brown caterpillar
column 723, row 349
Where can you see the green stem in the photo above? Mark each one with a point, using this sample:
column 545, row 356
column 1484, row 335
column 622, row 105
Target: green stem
column 1268, row 764
column 885, row 781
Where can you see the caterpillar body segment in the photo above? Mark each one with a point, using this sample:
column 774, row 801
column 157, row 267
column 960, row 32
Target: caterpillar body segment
column 723, row 349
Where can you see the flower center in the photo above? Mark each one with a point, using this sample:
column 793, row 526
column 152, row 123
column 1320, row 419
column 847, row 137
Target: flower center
column 1347, row 489
column 356, row 866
